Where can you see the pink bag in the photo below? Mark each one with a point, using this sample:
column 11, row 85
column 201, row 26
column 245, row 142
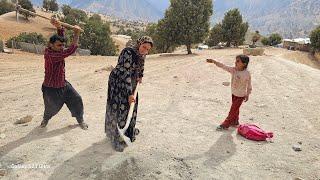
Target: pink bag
column 253, row 132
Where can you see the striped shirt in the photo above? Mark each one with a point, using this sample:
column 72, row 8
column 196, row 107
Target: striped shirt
column 55, row 65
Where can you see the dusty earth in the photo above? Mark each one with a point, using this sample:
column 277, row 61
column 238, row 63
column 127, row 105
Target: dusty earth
column 182, row 100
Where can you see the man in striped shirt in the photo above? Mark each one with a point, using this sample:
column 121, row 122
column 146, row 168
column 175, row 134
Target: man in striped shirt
column 57, row 91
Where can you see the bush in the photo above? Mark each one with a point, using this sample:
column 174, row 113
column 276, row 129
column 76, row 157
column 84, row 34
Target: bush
column 315, row 39
column 275, row 39
column 265, row 41
column 27, row 38
column 272, row 40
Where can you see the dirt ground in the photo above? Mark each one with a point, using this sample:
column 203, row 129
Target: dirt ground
column 182, row 100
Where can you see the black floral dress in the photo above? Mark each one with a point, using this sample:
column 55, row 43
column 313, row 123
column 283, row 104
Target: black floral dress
column 122, row 83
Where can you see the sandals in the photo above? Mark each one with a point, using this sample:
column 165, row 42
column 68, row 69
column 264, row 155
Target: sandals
column 221, row 128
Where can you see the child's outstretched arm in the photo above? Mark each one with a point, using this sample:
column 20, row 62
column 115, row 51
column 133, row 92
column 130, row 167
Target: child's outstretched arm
column 221, row 65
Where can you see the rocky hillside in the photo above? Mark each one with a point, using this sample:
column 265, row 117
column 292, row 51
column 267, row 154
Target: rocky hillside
column 291, row 18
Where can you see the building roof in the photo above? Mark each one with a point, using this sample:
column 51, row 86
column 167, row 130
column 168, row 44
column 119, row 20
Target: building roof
column 299, row 40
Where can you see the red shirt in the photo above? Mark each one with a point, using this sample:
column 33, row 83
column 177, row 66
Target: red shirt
column 55, row 65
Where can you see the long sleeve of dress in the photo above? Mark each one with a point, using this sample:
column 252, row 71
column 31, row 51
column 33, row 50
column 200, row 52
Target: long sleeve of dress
column 226, row 68
column 141, row 68
column 125, row 62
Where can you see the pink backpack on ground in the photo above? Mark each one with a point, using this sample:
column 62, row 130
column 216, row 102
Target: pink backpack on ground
column 253, row 132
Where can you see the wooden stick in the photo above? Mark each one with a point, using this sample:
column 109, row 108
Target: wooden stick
column 44, row 17
column 129, row 117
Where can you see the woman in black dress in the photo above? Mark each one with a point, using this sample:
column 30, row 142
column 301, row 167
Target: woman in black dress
column 122, row 82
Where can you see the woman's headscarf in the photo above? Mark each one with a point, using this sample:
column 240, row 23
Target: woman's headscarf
column 135, row 47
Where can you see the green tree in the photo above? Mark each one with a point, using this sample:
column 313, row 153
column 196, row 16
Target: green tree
column 53, row 5
column 160, row 36
column 6, row 7
column 76, row 16
column 233, row 28
column 26, row 4
column 215, row 36
column 315, row 39
column 189, row 21
column 275, row 39
column 265, row 41
column 96, row 37
column 66, row 9
column 46, row 4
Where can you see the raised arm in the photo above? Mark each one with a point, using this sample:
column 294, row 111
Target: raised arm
column 221, row 65
column 70, row 50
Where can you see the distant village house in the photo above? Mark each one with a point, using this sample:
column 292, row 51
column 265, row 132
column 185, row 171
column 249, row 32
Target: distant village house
column 299, row 44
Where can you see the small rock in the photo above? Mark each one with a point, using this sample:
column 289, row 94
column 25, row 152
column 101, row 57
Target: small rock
column 158, row 172
column 296, row 148
column 298, row 179
column 3, row 130
column 251, row 119
column 108, row 68
column 228, row 152
column 175, row 76
column 226, row 83
column 3, row 172
column 2, row 136
column 283, row 127
column 24, row 120
column 300, row 142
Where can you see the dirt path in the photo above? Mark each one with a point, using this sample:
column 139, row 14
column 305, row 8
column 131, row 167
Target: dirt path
column 182, row 100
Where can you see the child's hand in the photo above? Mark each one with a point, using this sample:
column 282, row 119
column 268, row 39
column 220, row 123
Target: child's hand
column 210, row 61
column 246, row 98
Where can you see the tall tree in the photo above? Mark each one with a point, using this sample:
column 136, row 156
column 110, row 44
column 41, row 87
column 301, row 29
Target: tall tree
column 26, row 4
column 53, row 5
column 161, row 36
column 233, row 28
column 189, row 21
column 215, row 36
column 76, row 16
column 66, row 9
column 46, row 4
column 96, row 37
